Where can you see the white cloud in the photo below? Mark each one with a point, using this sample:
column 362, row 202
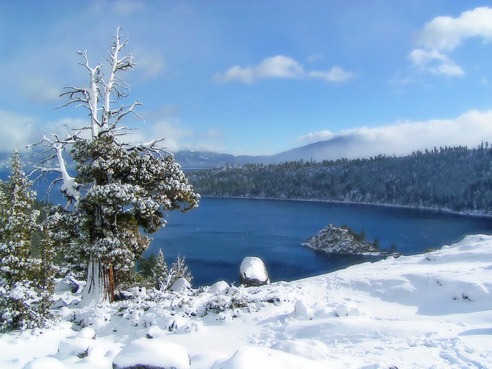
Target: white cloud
column 169, row 128
column 434, row 62
column 335, row 75
column 316, row 136
column 403, row 138
column 447, row 33
column 280, row 66
column 443, row 34
column 17, row 131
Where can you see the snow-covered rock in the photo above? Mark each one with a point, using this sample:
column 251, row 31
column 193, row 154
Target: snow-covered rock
column 154, row 332
column 219, row 287
column 69, row 283
column 152, row 354
column 87, row 333
column 253, row 272
column 341, row 240
column 181, row 285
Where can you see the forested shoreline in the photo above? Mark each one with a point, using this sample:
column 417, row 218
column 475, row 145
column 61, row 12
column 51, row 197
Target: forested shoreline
column 457, row 179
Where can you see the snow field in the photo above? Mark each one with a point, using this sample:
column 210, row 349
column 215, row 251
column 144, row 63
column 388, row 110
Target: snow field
column 425, row 311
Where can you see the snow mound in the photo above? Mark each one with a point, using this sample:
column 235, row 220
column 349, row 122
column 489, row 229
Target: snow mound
column 260, row 357
column 87, row 333
column 310, row 349
column 301, row 310
column 155, row 354
column 45, row 363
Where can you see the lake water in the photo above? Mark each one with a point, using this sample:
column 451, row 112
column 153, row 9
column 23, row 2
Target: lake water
column 216, row 237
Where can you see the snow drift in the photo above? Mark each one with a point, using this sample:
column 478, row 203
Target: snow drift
column 425, row 311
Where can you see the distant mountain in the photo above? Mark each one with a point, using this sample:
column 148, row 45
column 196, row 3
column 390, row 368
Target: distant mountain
column 333, row 149
column 354, row 145
column 208, row 159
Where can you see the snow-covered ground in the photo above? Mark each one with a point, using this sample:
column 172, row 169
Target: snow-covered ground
column 426, row 311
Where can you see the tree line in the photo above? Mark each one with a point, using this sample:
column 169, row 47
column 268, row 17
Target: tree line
column 455, row 178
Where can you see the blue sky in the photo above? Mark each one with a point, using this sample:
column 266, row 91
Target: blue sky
column 259, row 77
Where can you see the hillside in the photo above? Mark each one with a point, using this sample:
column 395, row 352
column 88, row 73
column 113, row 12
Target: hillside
column 457, row 178
column 423, row 311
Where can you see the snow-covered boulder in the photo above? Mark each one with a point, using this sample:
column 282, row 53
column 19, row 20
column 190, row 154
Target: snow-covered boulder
column 181, row 285
column 154, row 332
column 219, row 287
column 87, row 333
column 152, row 354
column 253, row 272
column 69, row 283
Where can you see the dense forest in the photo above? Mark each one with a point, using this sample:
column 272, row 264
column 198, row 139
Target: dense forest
column 455, row 178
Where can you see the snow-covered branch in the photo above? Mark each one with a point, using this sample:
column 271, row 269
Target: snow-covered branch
column 150, row 146
column 55, row 145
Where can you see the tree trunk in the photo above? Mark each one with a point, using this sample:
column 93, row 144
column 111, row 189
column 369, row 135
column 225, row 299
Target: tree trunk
column 94, row 292
column 109, row 282
column 100, row 284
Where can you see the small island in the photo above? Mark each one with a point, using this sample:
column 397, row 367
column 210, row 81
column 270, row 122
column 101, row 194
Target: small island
column 343, row 240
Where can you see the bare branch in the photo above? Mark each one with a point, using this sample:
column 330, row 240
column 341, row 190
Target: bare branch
column 150, row 146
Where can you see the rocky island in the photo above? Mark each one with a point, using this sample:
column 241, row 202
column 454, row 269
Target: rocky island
column 343, row 240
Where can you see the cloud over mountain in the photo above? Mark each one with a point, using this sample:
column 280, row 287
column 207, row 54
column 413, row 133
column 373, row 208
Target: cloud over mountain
column 468, row 129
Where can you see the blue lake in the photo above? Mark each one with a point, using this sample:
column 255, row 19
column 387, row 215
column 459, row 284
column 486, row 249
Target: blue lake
column 216, row 237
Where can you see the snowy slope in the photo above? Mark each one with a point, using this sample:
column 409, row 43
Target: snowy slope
column 424, row 311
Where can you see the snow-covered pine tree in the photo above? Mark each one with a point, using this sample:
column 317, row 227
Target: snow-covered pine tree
column 47, row 270
column 18, row 223
column 160, row 272
column 19, row 295
column 120, row 188
column 164, row 277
